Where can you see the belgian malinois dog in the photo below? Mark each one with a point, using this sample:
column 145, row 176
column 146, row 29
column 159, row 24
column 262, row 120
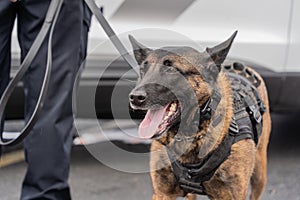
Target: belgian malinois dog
column 194, row 103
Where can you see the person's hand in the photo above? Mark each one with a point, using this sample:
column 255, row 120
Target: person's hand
column 13, row 1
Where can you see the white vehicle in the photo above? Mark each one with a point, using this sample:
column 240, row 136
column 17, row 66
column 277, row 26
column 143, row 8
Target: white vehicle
column 268, row 40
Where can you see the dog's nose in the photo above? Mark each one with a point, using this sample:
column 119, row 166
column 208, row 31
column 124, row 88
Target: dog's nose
column 137, row 97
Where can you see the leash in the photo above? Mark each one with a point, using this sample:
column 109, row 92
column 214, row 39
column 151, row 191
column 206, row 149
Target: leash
column 49, row 24
column 48, row 27
column 112, row 35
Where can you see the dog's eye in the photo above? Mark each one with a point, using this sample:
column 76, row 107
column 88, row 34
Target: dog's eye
column 143, row 68
column 168, row 63
column 168, row 67
column 145, row 64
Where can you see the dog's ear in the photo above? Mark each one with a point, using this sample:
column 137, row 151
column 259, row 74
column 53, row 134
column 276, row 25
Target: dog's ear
column 218, row 53
column 139, row 50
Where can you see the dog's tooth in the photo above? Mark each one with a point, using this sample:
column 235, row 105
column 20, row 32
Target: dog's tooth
column 170, row 113
column 173, row 108
column 166, row 117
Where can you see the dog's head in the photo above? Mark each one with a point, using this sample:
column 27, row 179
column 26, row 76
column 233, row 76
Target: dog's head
column 173, row 82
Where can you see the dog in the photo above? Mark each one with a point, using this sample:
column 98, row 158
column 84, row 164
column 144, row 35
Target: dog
column 209, row 122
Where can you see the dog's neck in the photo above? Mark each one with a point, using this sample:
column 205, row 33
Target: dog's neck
column 193, row 148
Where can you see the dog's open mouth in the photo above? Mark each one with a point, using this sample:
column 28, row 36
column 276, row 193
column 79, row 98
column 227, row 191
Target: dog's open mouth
column 157, row 121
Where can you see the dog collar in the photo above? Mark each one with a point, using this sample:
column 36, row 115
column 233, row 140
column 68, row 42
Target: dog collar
column 205, row 112
column 209, row 108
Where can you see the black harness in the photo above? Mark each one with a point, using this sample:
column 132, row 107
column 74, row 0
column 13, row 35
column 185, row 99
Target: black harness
column 190, row 177
column 246, row 124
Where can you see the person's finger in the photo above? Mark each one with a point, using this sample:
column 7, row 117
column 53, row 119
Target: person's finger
column 13, row 1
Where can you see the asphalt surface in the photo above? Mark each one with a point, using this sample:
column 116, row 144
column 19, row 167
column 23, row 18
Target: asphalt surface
column 92, row 179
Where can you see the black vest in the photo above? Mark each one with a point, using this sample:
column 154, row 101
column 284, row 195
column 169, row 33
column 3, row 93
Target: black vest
column 246, row 124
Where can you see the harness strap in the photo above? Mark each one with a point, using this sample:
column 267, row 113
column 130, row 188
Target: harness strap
column 210, row 106
column 190, row 177
column 245, row 130
column 253, row 108
column 183, row 176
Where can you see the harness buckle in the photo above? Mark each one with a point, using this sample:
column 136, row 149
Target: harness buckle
column 205, row 112
column 191, row 187
column 255, row 114
column 233, row 128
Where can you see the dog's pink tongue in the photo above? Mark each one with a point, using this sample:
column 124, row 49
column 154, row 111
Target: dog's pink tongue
column 151, row 122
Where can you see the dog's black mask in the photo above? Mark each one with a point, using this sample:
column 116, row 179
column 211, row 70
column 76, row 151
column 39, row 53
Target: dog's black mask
column 172, row 83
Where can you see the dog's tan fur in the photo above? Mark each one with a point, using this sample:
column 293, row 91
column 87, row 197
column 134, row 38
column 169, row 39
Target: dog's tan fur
column 247, row 162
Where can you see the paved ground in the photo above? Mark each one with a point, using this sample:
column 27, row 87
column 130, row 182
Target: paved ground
column 91, row 179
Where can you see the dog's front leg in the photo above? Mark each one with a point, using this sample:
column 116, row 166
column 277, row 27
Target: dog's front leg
column 163, row 179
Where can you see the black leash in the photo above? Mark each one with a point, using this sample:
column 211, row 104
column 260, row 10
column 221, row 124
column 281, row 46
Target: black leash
column 49, row 24
column 112, row 35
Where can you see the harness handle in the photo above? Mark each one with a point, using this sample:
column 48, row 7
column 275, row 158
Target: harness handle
column 49, row 24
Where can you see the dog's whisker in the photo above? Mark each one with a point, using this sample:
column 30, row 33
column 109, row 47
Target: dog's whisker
column 128, row 80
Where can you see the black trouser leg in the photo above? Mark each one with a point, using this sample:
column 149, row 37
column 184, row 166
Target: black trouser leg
column 7, row 18
column 47, row 148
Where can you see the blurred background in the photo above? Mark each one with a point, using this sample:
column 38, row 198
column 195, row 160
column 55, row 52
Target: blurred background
column 268, row 40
